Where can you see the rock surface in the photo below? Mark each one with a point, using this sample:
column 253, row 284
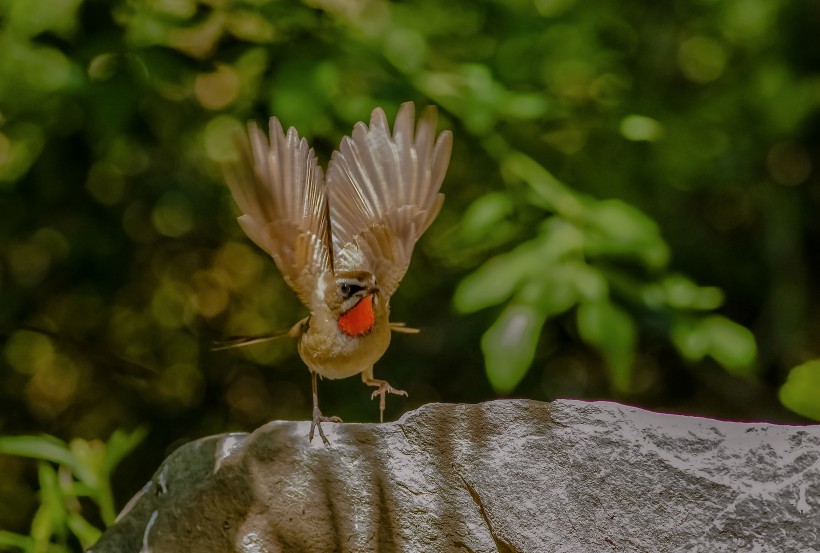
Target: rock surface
column 504, row 476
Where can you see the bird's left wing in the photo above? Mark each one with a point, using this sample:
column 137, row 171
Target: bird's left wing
column 383, row 192
column 280, row 189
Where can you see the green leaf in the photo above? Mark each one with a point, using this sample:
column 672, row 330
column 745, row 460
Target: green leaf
column 46, row 448
column 728, row 343
column 801, row 391
column 10, row 540
column 482, row 220
column 88, row 461
column 611, row 331
column 87, row 533
column 120, row 444
column 554, row 292
column 681, row 293
column 509, row 346
column 617, row 229
column 49, row 520
column 548, row 192
column 492, row 283
column 500, row 277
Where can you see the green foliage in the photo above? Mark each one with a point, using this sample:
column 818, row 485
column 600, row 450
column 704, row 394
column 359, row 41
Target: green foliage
column 612, row 331
column 66, row 473
column 801, row 391
column 586, row 253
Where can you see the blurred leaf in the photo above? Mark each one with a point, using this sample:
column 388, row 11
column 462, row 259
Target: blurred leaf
column 509, row 346
column 120, row 444
column 50, row 517
column 728, row 343
column 548, row 192
column 88, row 461
column 497, row 280
column 37, row 447
column 552, row 292
column 33, row 17
column 493, row 282
column 612, row 332
column 801, row 391
column 12, row 541
column 590, row 285
column 481, row 221
column 86, row 532
column 615, row 228
column 681, row 293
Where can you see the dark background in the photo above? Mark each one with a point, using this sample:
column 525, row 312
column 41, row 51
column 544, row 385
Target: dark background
column 685, row 135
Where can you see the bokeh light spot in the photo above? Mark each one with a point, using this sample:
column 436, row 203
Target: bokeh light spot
column 406, row 49
column 219, row 136
column 105, row 183
column 28, row 352
column 217, row 90
column 51, row 389
column 172, row 215
column 788, row 163
column 28, row 262
column 702, row 59
column 641, row 128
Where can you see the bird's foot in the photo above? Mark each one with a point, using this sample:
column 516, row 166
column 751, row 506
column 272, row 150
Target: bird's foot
column 383, row 389
column 316, row 424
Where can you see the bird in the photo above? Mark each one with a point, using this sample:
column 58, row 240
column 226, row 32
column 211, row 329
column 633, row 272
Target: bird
column 344, row 241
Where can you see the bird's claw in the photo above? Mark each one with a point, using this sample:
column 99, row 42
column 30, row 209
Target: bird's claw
column 316, row 423
column 382, row 391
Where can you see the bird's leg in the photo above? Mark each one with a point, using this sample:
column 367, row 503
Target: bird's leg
column 318, row 418
column 382, row 389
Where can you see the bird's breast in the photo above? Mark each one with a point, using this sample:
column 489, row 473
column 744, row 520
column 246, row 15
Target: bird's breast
column 359, row 320
column 334, row 349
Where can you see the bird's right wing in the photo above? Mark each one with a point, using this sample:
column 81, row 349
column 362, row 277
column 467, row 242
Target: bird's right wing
column 383, row 191
column 280, row 190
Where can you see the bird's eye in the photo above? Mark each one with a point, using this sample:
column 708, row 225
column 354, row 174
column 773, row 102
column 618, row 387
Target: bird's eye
column 348, row 290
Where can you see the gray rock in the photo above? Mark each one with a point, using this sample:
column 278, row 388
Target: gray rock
column 503, row 476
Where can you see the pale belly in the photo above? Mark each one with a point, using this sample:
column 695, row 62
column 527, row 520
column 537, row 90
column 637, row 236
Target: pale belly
column 342, row 356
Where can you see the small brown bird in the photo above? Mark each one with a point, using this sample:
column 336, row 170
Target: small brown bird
column 343, row 243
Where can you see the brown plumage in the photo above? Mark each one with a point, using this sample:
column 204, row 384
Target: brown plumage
column 342, row 243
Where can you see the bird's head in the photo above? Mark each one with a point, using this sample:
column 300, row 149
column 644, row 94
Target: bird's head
column 352, row 300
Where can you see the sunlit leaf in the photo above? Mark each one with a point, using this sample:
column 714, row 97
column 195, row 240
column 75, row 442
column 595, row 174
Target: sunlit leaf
column 728, row 343
column 483, row 216
column 681, row 293
column 617, row 229
column 553, row 292
column 49, row 520
column 509, row 346
column 611, row 331
column 37, row 447
column 88, row 461
column 548, row 192
column 801, row 391
column 86, row 532
column 120, row 444
column 14, row 542
column 496, row 280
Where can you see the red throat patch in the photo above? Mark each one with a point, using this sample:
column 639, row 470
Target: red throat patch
column 360, row 319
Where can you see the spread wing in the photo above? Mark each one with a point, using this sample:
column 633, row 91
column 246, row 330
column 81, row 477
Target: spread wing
column 280, row 189
column 383, row 192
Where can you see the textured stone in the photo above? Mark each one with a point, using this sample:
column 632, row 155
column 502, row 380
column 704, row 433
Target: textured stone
column 503, row 476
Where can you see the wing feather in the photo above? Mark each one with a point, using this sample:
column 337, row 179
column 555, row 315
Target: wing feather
column 383, row 192
column 280, row 189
